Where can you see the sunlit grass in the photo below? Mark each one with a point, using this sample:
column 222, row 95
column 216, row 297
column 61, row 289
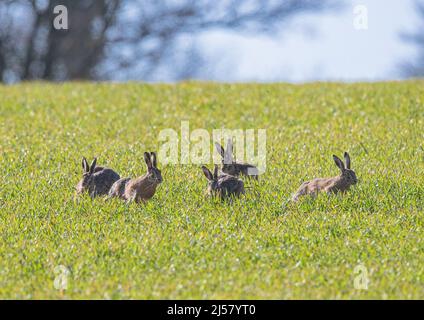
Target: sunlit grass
column 183, row 245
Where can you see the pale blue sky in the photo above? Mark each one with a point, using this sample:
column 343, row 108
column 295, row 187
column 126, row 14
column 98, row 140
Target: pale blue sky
column 319, row 47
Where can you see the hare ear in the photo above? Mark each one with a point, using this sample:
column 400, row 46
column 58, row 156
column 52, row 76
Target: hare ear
column 148, row 160
column 215, row 172
column 93, row 165
column 207, row 173
column 347, row 160
column 154, row 161
column 85, row 166
column 228, row 157
column 339, row 162
column 220, row 149
column 230, row 146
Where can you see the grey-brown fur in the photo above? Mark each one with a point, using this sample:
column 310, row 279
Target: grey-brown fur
column 233, row 168
column 223, row 185
column 142, row 188
column 340, row 183
column 96, row 181
column 118, row 188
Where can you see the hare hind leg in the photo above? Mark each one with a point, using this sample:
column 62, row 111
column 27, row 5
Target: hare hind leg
column 303, row 190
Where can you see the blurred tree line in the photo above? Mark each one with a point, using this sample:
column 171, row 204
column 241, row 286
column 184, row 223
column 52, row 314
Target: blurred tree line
column 108, row 39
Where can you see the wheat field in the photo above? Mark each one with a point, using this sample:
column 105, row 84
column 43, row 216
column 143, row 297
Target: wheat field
column 183, row 245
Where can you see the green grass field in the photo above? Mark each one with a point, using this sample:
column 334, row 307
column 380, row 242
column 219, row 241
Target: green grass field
column 182, row 245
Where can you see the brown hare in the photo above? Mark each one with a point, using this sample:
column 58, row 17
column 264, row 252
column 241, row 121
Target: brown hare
column 223, row 185
column 142, row 188
column 96, row 180
column 233, row 168
column 341, row 183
